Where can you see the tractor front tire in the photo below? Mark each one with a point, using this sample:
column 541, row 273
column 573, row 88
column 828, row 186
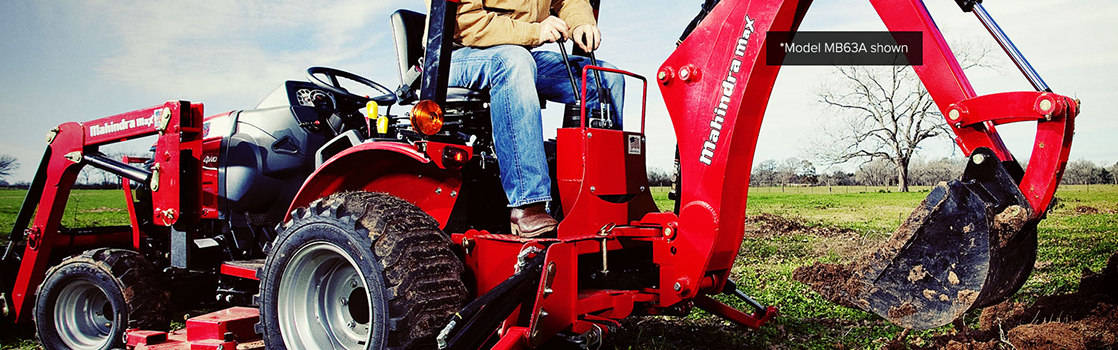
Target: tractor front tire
column 88, row 301
column 359, row 270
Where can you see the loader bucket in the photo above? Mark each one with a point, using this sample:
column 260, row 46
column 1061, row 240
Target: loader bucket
column 969, row 244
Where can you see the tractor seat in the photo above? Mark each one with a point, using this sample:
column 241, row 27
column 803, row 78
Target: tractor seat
column 407, row 32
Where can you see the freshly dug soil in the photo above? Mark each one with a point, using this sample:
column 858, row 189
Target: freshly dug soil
column 1086, row 209
column 764, row 225
column 1086, row 319
column 840, row 283
column 830, row 280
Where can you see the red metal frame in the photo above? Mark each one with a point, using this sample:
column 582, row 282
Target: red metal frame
column 130, row 201
column 178, row 126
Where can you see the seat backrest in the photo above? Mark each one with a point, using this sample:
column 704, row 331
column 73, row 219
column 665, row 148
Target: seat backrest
column 407, row 31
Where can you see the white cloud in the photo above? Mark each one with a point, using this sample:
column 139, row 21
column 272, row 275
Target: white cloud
column 233, row 52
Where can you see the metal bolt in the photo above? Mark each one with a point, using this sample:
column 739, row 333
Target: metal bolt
column 978, row 158
column 351, row 324
column 589, row 135
column 592, row 189
column 668, row 232
column 642, row 188
column 677, row 286
column 953, row 114
column 543, row 313
column 454, row 193
column 438, row 190
column 345, row 301
column 662, row 75
column 353, row 283
column 685, row 74
column 51, row 134
column 1045, row 105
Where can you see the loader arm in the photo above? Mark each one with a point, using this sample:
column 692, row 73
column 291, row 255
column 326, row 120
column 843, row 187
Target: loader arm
column 174, row 181
column 717, row 85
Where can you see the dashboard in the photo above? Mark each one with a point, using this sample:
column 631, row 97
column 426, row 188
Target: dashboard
column 298, row 93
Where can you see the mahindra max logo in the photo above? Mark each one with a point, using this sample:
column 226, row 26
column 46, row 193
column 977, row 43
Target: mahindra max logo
column 728, row 85
column 124, row 124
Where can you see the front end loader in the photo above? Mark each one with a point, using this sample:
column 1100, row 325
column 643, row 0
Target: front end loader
column 324, row 220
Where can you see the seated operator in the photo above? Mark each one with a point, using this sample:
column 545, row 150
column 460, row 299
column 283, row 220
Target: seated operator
column 494, row 43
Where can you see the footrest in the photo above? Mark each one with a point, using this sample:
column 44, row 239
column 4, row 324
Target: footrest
column 231, row 328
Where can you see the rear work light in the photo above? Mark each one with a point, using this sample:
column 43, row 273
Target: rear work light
column 454, row 157
column 427, row 117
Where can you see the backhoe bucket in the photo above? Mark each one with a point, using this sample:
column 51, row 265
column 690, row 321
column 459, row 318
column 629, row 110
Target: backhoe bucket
column 969, row 244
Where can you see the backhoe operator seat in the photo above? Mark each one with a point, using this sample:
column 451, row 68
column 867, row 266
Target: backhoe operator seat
column 407, row 31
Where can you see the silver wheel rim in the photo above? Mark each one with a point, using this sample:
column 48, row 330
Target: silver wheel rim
column 322, row 302
column 83, row 315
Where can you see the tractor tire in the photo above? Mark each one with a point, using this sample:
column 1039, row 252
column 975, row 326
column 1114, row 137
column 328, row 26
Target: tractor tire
column 89, row 300
column 359, row 270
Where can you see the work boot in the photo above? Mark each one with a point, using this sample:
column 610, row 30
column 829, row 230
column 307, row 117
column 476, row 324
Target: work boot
column 532, row 221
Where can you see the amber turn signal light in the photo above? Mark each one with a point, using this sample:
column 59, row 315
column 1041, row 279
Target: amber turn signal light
column 427, row 117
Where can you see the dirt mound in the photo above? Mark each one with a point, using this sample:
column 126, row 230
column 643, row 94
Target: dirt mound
column 765, row 225
column 1086, row 319
column 1086, row 209
column 830, row 280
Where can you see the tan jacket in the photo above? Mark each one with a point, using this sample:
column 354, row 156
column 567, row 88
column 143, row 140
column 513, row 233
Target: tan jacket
column 485, row 23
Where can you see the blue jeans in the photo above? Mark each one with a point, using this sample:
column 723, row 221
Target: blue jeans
column 516, row 79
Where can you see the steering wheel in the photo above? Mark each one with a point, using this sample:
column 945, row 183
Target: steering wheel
column 386, row 98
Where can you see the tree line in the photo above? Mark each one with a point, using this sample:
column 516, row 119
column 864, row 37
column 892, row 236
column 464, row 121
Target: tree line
column 877, row 172
column 880, row 172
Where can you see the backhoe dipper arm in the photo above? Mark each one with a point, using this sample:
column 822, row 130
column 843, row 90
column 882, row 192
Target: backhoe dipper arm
column 717, row 86
column 173, row 181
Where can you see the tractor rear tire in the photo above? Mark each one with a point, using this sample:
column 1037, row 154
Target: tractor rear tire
column 359, row 270
column 88, row 301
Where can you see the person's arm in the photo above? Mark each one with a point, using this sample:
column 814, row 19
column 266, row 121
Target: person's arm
column 575, row 12
column 579, row 16
column 478, row 27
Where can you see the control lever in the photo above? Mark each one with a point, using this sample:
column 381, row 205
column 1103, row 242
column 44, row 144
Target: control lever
column 603, row 98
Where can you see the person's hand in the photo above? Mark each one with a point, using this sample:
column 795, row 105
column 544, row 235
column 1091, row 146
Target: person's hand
column 552, row 29
column 587, row 37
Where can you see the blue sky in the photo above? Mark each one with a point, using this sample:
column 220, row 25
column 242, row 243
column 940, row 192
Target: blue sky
column 82, row 60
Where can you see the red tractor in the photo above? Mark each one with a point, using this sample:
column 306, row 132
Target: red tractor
column 344, row 225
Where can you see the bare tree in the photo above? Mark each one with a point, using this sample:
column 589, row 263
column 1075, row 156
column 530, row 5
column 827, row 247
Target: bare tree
column 876, row 172
column 1084, row 172
column 886, row 113
column 8, row 164
column 929, row 173
column 659, row 177
column 764, row 174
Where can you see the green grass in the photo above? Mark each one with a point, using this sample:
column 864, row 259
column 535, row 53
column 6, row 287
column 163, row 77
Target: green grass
column 1069, row 241
column 84, row 208
column 1080, row 232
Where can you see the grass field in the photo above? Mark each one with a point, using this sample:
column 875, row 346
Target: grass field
column 1080, row 233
